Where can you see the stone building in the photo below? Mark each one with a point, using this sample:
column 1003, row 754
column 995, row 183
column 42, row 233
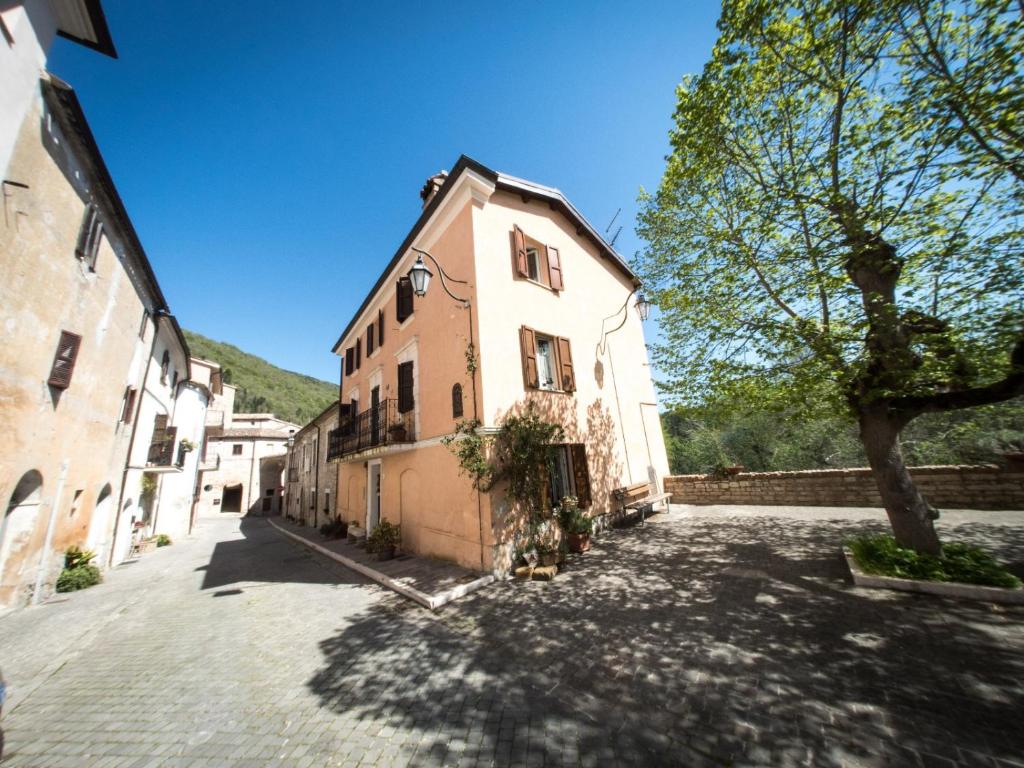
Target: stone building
column 82, row 318
column 312, row 482
column 242, row 466
column 549, row 312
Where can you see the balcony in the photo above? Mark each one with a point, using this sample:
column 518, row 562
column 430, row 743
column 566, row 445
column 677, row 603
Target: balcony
column 376, row 428
column 161, row 455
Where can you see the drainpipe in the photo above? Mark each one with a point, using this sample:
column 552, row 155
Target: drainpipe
column 44, row 557
column 131, row 444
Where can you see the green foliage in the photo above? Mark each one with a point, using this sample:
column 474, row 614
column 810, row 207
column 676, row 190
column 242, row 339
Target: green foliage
column 148, row 486
column 335, row 529
column 571, row 518
column 840, row 218
column 75, row 557
column 698, row 440
column 470, row 448
column 264, row 387
column 383, row 537
column 163, row 540
column 524, row 449
column 73, row 579
column 959, row 563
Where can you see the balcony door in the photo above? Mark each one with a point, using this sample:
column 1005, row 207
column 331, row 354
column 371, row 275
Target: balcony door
column 375, row 425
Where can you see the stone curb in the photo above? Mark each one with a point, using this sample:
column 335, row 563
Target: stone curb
column 427, row 601
column 941, row 588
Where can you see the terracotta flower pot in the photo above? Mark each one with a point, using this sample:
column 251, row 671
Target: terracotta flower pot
column 578, row 542
column 386, row 554
column 547, row 558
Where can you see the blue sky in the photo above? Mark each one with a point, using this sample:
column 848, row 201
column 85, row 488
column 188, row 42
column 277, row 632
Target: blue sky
column 271, row 160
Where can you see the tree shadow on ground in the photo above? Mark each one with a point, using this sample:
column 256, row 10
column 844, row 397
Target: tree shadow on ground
column 703, row 640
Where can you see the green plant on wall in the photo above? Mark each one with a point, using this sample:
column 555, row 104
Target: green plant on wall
column 148, row 487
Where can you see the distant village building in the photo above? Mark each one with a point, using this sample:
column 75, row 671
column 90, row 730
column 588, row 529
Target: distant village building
column 311, row 490
column 243, row 460
column 546, row 309
column 96, row 387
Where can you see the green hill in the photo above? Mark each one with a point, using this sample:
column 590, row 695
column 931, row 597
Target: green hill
column 262, row 387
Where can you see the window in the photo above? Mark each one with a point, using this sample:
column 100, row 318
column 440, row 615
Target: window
column 569, row 474
column 403, row 299
column 143, row 324
column 405, row 382
column 359, row 353
column 536, row 261
column 161, row 447
column 174, row 380
column 89, row 235
column 547, row 361
column 369, row 338
column 128, row 406
column 76, row 502
column 236, row 449
column 165, row 365
column 64, row 360
column 380, row 327
column 350, row 361
column 457, row 401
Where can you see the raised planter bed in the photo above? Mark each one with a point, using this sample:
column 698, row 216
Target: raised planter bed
column 941, row 588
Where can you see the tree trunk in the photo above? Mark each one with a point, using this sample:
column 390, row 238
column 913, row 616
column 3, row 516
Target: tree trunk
column 909, row 514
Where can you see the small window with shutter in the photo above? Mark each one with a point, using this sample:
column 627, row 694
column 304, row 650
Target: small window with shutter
column 547, row 361
column 350, row 361
column 405, row 383
column 369, row 338
column 457, row 401
column 536, row 262
column 128, row 407
column 403, row 299
column 380, row 327
column 165, row 366
column 64, row 360
column 359, row 353
column 89, row 236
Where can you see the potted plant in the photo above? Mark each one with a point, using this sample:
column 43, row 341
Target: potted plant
column 397, row 432
column 383, row 540
column 335, row 529
column 576, row 525
column 186, row 445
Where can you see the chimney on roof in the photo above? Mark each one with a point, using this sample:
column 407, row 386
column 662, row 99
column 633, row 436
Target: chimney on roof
column 431, row 186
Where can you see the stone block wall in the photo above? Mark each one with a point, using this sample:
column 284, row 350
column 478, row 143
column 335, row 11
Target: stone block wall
column 955, row 487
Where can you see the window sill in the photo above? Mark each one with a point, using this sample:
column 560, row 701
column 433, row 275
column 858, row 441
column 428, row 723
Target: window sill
column 539, row 284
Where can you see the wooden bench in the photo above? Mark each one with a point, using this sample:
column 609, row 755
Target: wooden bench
column 640, row 497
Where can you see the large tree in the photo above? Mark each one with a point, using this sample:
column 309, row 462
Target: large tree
column 840, row 218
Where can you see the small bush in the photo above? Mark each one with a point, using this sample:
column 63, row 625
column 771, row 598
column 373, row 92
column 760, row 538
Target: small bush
column 383, row 537
column 80, row 577
column 75, row 557
column 163, row 540
column 335, row 529
column 881, row 555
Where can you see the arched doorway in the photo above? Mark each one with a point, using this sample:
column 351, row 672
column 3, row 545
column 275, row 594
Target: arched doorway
column 18, row 523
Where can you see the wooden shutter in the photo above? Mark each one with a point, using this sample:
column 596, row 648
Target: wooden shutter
column 359, row 353
column 566, row 374
column 129, row 404
column 403, row 301
column 457, row 401
column 64, row 360
column 161, row 447
column 350, row 361
column 85, row 232
column 528, row 350
column 519, row 252
column 554, row 269
column 580, row 473
column 369, row 339
column 380, row 327
column 405, row 399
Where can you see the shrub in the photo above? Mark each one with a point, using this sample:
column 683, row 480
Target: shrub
column 80, row 577
column 163, row 540
column 881, row 555
column 384, row 536
column 75, row 557
column 572, row 519
column 335, row 529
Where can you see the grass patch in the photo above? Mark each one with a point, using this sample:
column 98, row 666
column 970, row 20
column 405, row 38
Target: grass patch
column 882, row 556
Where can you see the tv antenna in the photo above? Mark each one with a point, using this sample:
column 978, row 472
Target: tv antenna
column 610, row 223
column 615, row 236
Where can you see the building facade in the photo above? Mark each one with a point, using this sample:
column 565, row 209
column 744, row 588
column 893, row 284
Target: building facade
column 311, row 488
column 544, row 306
column 243, row 463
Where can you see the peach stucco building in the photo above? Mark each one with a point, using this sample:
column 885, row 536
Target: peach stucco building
column 543, row 291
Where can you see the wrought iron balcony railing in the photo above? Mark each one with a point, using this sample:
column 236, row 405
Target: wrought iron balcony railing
column 375, row 427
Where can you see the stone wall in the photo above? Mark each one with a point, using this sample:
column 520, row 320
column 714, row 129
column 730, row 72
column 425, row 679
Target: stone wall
column 964, row 487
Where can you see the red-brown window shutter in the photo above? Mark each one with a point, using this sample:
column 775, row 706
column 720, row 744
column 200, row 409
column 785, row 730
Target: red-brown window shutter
column 359, row 353
column 369, row 339
column 403, row 302
column 580, row 473
column 405, row 397
column 380, row 327
column 64, row 360
column 350, row 361
column 457, row 401
column 554, row 269
column 519, row 252
column 528, row 349
column 566, row 374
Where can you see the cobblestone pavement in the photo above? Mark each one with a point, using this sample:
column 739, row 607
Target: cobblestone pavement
column 709, row 637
